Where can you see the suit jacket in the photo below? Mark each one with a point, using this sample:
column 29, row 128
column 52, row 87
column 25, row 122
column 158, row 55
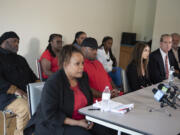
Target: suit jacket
column 136, row 82
column 156, row 66
column 178, row 54
column 57, row 103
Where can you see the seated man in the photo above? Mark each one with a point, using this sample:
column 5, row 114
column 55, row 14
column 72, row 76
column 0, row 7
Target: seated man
column 175, row 47
column 161, row 60
column 48, row 59
column 98, row 77
column 15, row 74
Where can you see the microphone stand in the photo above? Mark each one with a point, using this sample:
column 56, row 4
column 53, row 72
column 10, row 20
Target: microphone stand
column 174, row 100
column 163, row 104
column 160, row 110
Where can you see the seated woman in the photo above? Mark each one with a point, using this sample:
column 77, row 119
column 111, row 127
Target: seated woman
column 49, row 60
column 105, row 56
column 79, row 37
column 137, row 72
column 64, row 93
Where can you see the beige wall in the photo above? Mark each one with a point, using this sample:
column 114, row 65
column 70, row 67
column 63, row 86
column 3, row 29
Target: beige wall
column 143, row 22
column 167, row 19
column 35, row 20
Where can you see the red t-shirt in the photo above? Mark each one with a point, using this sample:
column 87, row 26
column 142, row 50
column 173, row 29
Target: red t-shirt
column 98, row 77
column 80, row 101
column 54, row 62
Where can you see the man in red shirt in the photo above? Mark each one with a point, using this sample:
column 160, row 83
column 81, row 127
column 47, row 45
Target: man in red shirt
column 98, row 77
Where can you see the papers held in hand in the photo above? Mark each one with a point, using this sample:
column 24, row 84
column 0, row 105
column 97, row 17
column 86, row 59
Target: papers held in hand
column 116, row 107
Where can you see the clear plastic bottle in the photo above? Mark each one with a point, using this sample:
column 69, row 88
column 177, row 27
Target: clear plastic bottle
column 105, row 99
column 171, row 76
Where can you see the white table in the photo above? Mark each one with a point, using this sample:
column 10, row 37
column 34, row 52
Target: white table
column 139, row 120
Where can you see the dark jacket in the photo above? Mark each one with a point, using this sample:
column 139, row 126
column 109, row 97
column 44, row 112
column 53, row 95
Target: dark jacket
column 136, row 82
column 178, row 54
column 57, row 103
column 14, row 70
column 156, row 66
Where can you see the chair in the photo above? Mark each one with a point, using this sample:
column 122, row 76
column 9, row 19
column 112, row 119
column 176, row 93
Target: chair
column 116, row 76
column 5, row 118
column 39, row 69
column 125, row 81
column 34, row 91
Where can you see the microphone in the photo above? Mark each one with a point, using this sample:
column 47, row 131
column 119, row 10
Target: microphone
column 161, row 97
column 167, row 89
column 171, row 84
column 164, row 88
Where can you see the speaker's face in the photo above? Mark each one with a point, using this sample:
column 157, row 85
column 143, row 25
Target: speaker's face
column 166, row 44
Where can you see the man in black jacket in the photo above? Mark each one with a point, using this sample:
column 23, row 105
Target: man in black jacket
column 15, row 74
column 161, row 60
column 175, row 47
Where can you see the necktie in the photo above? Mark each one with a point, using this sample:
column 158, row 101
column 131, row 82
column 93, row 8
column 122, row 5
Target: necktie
column 166, row 66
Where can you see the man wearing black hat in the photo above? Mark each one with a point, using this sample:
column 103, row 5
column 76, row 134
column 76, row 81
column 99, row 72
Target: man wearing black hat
column 15, row 74
column 98, row 77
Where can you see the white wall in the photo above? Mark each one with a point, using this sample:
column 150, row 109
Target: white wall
column 143, row 22
column 167, row 19
column 35, row 20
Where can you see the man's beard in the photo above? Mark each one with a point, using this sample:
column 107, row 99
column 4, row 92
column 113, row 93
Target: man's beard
column 11, row 48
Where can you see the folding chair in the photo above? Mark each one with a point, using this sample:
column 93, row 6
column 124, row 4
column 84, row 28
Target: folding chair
column 5, row 118
column 39, row 69
column 125, row 82
column 34, row 91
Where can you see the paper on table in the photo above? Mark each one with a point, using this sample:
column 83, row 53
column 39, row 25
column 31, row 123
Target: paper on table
column 122, row 108
column 116, row 106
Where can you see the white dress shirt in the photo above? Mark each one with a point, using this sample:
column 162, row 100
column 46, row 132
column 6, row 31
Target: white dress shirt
column 163, row 54
column 104, row 59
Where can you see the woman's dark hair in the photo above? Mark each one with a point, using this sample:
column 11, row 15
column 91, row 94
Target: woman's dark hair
column 110, row 51
column 49, row 47
column 137, row 58
column 77, row 35
column 66, row 54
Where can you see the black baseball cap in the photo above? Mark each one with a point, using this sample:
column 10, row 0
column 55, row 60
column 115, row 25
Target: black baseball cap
column 7, row 35
column 90, row 42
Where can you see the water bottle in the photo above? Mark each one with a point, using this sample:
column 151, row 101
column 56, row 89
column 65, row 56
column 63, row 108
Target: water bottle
column 171, row 76
column 105, row 99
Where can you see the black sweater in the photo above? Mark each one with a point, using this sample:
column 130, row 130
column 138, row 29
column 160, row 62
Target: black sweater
column 14, row 70
column 57, row 103
column 136, row 82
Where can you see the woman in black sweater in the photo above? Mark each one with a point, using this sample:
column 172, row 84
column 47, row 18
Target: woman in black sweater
column 137, row 72
column 64, row 93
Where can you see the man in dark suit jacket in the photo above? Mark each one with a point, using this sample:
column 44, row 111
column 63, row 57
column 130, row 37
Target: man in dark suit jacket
column 175, row 47
column 161, row 60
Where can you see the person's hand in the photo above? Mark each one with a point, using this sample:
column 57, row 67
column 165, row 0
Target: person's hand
column 21, row 93
column 91, row 124
column 84, row 123
column 114, row 93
